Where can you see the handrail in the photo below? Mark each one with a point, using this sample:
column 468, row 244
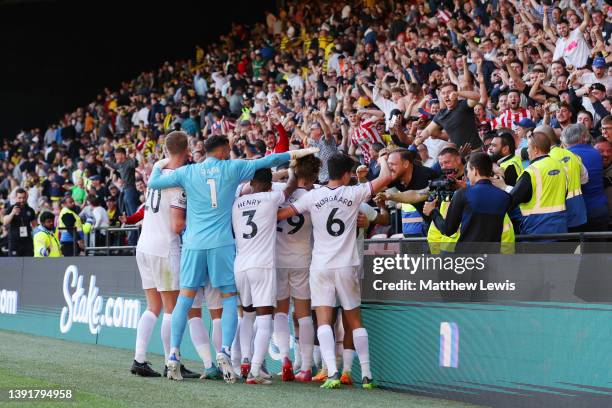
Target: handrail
column 519, row 238
column 107, row 247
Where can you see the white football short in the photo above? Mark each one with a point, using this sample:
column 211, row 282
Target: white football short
column 156, row 272
column 198, row 300
column 292, row 282
column 257, row 287
column 213, row 298
column 343, row 283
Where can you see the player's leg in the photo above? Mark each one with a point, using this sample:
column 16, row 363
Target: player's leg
column 297, row 353
column 349, row 293
column 316, row 352
column 146, row 267
column 145, row 327
column 348, row 354
column 199, row 335
column 300, row 291
column 262, row 283
column 236, row 352
column 215, row 308
column 338, row 335
column 168, row 299
column 246, row 334
column 281, row 322
column 193, row 275
column 306, row 338
column 323, row 300
column 220, row 264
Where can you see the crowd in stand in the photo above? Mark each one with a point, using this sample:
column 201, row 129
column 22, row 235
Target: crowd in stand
column 354, row 76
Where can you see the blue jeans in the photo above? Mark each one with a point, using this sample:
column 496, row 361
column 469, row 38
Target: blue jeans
column 130, row 205
column 130, row 200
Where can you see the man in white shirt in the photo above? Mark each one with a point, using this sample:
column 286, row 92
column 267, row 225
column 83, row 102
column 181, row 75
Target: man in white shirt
column 599, row 75
column 571, row 45
column 334, row 267
column 158, row 257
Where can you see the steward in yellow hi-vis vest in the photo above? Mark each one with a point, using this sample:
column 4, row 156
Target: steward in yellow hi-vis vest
column 45, row 241
column 574, row 203
column 514, row 162
column 541, row 190
column 437, row 241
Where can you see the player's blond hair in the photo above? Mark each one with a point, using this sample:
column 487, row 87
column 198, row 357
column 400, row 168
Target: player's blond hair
column 176, row 142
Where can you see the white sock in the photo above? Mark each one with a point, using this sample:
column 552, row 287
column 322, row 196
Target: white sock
column 306, row 342
column 339, row 352
column 246, row 333
column 347, row 360
column 281, row 334
column 262, row 340
column 297, row 355
column 327, row 343
column 145, row 327
column 360, row 338
column 165, row 333
column 236, row 352
column 200, row 340
column 316, row 355
column 217, row 334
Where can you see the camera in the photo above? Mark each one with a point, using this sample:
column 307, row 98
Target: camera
column 442, row 188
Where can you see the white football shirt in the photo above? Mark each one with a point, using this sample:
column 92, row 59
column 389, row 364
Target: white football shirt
column 293, row 235
column 157, row 237
column 254, row 222
column 334, row 220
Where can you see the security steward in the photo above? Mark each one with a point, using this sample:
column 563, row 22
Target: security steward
column 541, row 190
column 45, row 242
column 501, row 151
column 70, row 228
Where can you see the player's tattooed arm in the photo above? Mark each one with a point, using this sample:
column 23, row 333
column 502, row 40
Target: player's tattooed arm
column 384, row 177
column 292, row 183
column 284, row 213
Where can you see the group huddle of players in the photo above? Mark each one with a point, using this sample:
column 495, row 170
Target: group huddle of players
column 249, row 246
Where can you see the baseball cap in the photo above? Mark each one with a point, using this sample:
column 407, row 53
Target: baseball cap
column 526, row 123
column 599, row 62
column 95, row 177
column 599, row 86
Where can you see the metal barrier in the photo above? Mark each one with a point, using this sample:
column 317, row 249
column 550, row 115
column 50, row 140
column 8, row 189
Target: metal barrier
column 577, row 236
column 92, row 247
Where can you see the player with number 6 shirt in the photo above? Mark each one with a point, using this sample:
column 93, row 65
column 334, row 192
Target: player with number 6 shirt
column 334, row 268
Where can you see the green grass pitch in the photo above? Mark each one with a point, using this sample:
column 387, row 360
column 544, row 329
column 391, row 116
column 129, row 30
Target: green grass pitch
column 99, row 376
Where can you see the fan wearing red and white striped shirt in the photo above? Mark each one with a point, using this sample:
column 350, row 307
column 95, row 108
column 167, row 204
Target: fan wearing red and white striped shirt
column 513, row 114
column 364, row 133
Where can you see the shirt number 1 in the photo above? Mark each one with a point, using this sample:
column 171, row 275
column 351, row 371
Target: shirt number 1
column 213, row 192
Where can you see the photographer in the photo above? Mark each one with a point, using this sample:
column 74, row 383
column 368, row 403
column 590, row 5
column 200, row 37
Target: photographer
column 478, row 210
column 454, row 178
column 20, row 218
